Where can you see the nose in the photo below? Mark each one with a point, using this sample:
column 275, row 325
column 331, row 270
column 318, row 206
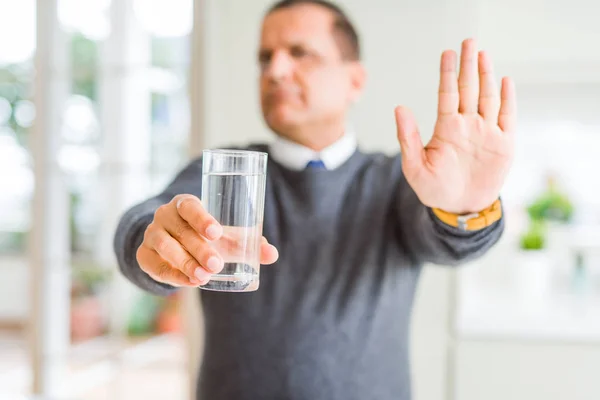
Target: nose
column 279, row 67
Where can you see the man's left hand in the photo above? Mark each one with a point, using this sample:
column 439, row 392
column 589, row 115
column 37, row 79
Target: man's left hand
column 463, row 167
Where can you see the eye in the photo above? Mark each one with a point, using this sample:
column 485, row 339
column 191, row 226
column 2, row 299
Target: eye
column 298, row 52
column 264, row 58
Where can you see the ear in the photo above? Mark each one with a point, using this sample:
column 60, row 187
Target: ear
column 358, row 77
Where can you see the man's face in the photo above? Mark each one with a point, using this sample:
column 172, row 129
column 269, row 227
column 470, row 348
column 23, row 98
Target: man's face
column 304, row 81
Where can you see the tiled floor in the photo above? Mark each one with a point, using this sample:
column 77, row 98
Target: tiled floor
column 105, row 369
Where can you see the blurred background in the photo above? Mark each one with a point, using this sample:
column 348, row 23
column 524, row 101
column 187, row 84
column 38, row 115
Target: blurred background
column 102, row 102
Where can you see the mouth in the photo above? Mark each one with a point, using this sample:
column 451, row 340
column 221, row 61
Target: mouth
column 283, row 94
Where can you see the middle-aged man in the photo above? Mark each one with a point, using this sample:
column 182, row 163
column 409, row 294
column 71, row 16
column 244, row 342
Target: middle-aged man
column 348, row 231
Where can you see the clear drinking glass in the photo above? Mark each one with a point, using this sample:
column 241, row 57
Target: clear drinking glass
column 233, row 192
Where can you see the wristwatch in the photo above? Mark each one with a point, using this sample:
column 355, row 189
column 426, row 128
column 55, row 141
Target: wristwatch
column 473, row 221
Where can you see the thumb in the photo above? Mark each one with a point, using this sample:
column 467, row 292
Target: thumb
column 411, row 144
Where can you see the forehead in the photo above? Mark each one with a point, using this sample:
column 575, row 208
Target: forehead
column 305, row 23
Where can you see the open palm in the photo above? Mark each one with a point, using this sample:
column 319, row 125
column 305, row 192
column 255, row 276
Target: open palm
column 463, row 167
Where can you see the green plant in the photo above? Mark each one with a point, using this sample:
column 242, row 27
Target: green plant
column 84, row 65
column 16, row 87
column 552, row 205
column 87, row 280
column 142, row 319
column 535, row 237
column 13, row 242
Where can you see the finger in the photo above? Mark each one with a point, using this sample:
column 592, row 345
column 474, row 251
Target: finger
column 468, row 85
column 409, row 137
column 191, row 210
column 161, row 271
column 507, row 119
column 489, row 98
column 268, row 253
column 448, row 91
column 173, row 252
column 195, row 245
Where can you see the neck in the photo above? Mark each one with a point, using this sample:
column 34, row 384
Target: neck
column 316, row 137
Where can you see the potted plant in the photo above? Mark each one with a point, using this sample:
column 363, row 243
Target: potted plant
column 535, row 237
column 555, row 208
column 88, row 319
column 152, row 314
column 169, row 318
column 552, row 205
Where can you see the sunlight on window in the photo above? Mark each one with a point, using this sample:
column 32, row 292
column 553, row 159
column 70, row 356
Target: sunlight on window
column 164, row 81
column 17, row 30
column 5, row 110
column 89, row 17
column 80, row 122
column 78, row 160
column 18, row 184
column 25, row 113
column 165, row 18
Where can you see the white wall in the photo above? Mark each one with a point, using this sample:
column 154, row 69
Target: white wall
column 543, row 40
column 527, row 370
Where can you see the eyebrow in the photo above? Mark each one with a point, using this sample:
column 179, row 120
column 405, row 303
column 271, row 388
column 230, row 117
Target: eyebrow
column 291, row 45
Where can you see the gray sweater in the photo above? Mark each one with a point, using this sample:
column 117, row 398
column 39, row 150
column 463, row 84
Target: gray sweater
column 330, row 320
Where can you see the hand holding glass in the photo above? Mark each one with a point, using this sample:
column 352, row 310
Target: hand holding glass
column 233, row 192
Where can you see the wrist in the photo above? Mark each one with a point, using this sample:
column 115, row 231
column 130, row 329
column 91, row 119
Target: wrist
column 470, row 221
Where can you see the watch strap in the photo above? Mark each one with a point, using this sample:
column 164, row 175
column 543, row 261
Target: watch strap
column 473, row 221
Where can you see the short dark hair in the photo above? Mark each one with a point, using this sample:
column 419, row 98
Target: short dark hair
column 344, row 31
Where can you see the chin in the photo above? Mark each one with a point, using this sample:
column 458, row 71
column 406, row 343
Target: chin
column 281, row 119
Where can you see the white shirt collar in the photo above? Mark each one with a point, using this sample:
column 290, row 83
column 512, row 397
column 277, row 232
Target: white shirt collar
column 296, row 156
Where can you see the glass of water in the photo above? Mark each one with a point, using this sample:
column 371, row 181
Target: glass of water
column 233, row 192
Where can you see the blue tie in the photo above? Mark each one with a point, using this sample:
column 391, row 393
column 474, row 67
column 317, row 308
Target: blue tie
column 315, row 164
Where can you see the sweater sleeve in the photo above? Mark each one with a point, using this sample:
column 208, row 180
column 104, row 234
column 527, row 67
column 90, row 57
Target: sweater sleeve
column 428, row 239
column 132, row 225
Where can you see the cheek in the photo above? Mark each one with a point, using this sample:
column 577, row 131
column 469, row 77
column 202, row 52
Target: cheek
column 331, row 92
column 263, row 85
